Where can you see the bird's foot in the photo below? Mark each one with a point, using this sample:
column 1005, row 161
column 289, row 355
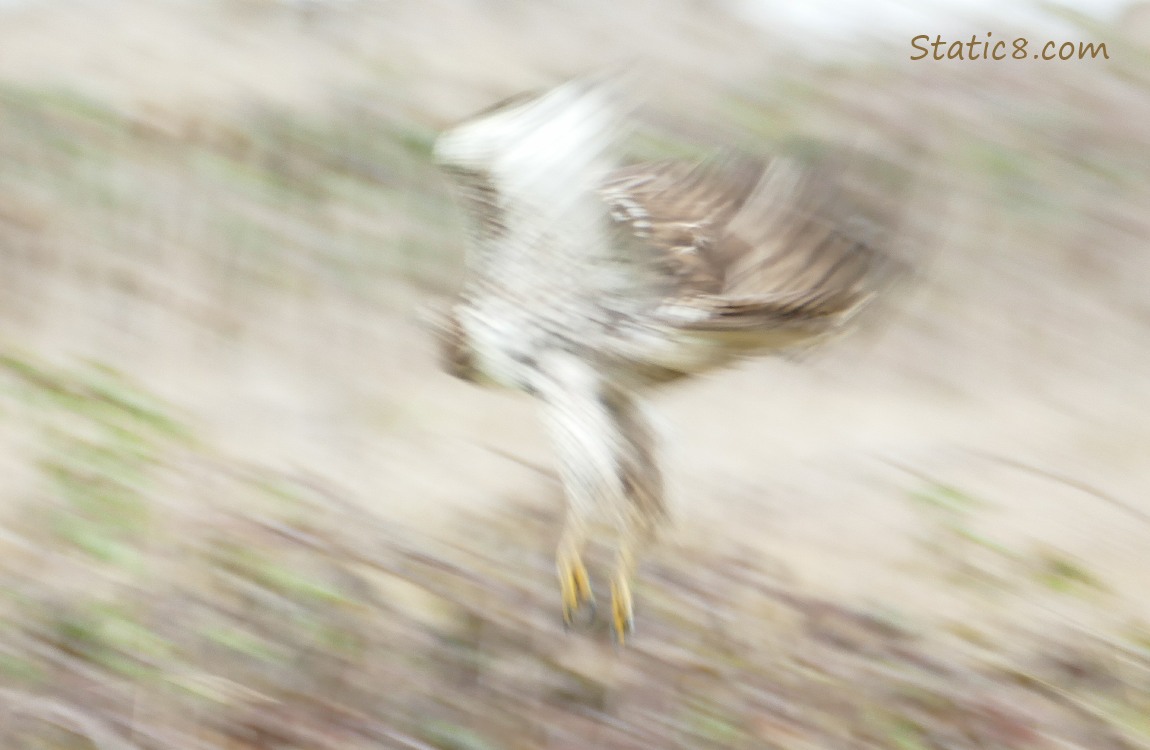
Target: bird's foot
column 622, row 610
column 575, row 587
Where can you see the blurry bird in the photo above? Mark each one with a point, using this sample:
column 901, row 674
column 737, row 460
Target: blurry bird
column 590, row 282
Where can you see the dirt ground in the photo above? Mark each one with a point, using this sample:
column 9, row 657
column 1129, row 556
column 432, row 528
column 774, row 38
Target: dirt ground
column 220, row 227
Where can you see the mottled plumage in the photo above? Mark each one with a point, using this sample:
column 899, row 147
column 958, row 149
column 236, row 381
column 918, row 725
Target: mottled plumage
column 590, row 282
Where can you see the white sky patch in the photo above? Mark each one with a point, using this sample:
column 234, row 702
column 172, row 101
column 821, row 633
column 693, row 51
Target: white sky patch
column 844, row 20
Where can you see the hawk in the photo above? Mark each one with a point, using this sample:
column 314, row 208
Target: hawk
column 590, row 282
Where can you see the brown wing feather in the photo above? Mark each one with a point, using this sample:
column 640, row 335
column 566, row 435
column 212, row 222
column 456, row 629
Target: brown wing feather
column 751, row 245
column 678, row 212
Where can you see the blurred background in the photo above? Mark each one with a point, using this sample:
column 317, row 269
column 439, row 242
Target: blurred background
column 242, row 508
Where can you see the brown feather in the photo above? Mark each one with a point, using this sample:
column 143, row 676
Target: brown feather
column 749, row 244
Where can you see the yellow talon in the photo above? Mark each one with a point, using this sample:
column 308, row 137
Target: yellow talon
column 622, row 614
column 575, row 587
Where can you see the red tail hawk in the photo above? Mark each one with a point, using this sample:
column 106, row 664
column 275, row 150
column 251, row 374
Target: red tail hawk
column 589, row 283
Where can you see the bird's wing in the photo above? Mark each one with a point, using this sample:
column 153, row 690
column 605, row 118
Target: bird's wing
column 674, row 213
column 761, row 253
column 528, row 171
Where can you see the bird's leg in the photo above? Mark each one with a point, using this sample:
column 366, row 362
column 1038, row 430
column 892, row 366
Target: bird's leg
column 606, row 459
column 642, row 487
column 622, row 606
column 583, row 431
column 574, row 584
column 635, row 535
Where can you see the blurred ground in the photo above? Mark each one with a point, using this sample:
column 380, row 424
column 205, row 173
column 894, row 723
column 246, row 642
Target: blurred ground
column 244, row 509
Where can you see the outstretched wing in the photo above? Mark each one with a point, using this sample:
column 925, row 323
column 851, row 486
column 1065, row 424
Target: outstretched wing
column 528, row 171
column 762, row 254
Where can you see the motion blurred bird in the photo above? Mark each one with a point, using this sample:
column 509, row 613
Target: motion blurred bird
column 590, row 282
